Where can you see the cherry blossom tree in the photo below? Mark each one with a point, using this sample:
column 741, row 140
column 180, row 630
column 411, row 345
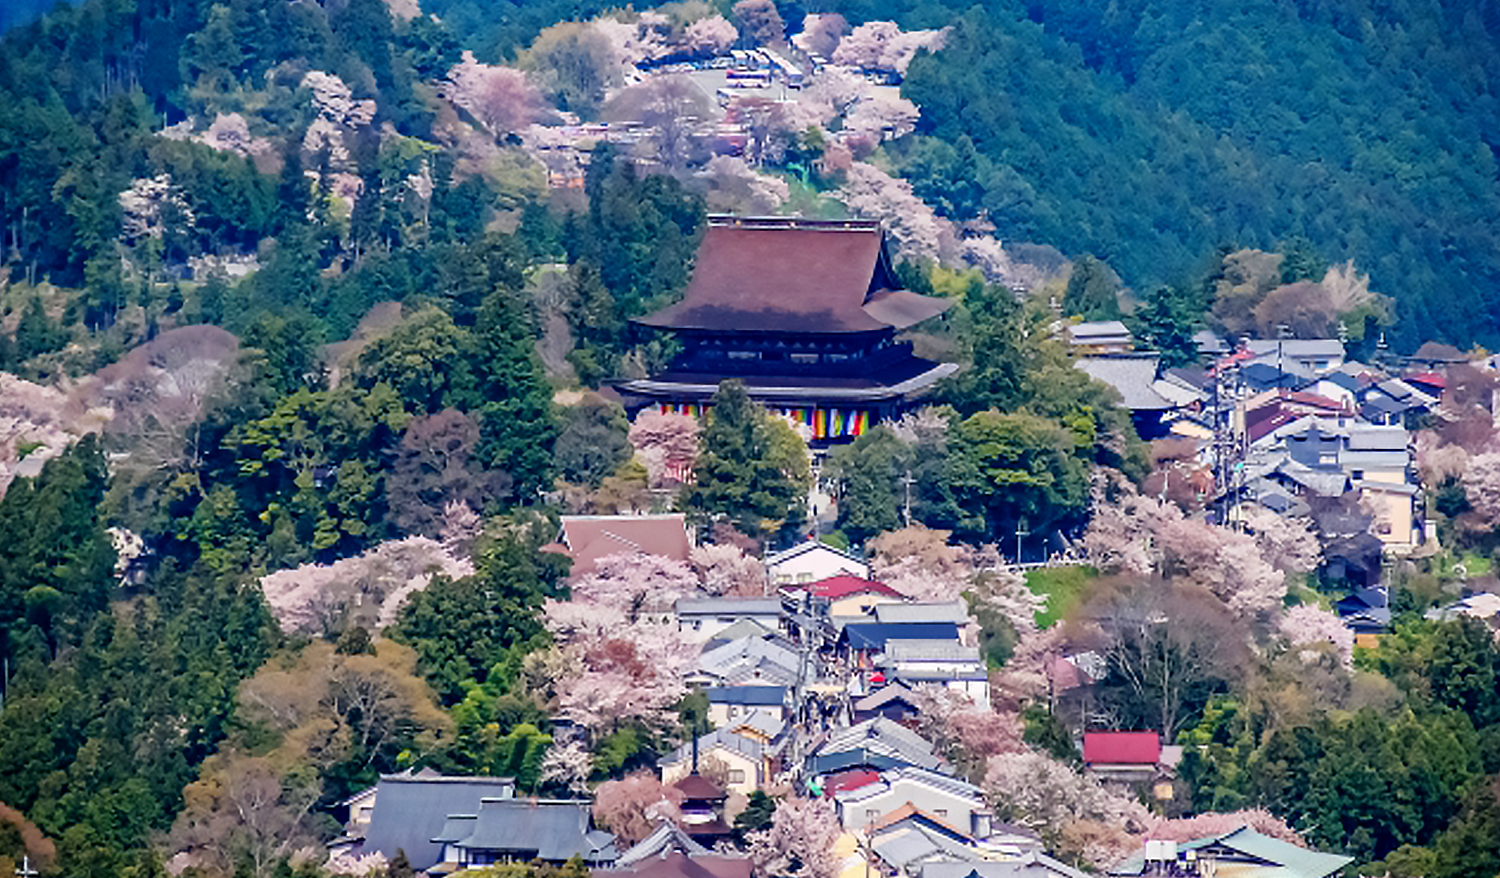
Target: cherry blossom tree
column 882, row 118
column 1025, row 676
column 501, row 98
column 821, row 33
column 1288, row 544
column 709, row 37
column 921, row 564
column 1307, row 625
column 883, row 47
column 367, row 590
column 799, row 843
column 668, row 443
column 633, row 672
column 970, row 733
column 633, row 807
column 1139, row 536
column 1481, row 483
column 158, row 393
column 632, row 582
column 1215, row 823
column 872, row 193
column 150, row 205
column 348, row 864
column 568, row 765
column 1037, row 791
column 734, row 187
column 727, row 570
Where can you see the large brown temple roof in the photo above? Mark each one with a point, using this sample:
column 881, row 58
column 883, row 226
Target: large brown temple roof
column 794, row 275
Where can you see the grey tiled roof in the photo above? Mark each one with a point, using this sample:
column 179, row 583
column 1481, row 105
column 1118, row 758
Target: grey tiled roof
column 411, row 811
column 549, row 829
column 948, row 611
column 1131, row 375
column 729, row 606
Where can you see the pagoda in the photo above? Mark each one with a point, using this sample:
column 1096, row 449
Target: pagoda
column 805, row 313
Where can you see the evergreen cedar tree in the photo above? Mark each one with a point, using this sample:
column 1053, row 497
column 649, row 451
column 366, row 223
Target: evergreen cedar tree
column 753, row 471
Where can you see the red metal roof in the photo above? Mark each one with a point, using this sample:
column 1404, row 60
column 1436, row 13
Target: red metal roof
column 1121, row 748
column 849, row 780
column 1431, row 379
column 843, row 585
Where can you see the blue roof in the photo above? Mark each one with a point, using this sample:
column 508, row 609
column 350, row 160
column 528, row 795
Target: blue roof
column 875, row 636
column 764, row 696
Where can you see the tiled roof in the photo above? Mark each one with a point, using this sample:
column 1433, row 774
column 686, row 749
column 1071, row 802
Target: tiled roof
column 794, row 276
column 1121, row 748
column 1132, row 375
column 773, row 696
column 411, row 811
column 729, row 606
column 591, row 537
column 844, row 585
column 554, row 829
column 875, row 635
column 947, row 611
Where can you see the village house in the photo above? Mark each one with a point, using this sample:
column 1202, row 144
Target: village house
column 587, row 538
column 407, row 811
column 727, row 704
column 707, row 618
column 1243, row 851
column 956, row 803
column 673, row 852
column 523, row 830
column 1128, row 757
column 813, row 561
column 748, row 764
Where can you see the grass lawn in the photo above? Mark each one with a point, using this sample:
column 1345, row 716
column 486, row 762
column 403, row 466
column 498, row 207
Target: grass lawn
column 1063, row 587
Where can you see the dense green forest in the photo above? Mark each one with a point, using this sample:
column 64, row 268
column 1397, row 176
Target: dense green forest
column 1150, row 133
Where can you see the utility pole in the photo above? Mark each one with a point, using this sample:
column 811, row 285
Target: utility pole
column 906, row 509
column 1021, row 531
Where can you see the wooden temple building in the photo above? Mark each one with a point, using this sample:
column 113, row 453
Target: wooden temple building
column 805, row 313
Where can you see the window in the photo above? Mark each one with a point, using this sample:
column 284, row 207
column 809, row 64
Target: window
column 806, row 359
column 941, row 812
column 744, row 355
column 736, row 775
column 1357, row 474
column 872, row 814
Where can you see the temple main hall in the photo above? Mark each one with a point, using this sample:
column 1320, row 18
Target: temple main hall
column 805, row 313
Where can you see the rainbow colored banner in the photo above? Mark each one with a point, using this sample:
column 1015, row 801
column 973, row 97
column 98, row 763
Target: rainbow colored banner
column 824, row 423
column 829, row 423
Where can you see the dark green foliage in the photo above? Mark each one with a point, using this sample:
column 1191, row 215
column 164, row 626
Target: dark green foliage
column 639, row 236
column 1046, row 732
column 872, row 473
column 463, row 629
column 1006, row 469
column 55, row 558
column 1091, row 290
column 593, row 442
column 515, row 410
column 425, row 360
column 1150, row 132
column 1165, row 323
column 97, row 746
column 756, row 816
column 743, row 475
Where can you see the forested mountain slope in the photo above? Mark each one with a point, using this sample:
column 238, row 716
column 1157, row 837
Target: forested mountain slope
column 1150, row 133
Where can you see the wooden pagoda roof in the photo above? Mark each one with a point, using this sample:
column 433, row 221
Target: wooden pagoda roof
column 792, row 275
